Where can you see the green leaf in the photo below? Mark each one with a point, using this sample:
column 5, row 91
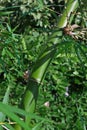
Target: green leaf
column 8, row 112
column 5, row 101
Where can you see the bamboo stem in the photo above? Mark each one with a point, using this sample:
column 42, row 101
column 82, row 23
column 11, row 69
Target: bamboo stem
column 44, row 60
column 70, row 8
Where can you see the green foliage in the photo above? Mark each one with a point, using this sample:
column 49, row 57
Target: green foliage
column 65, row 89
column 11, row 113
column 24, row 30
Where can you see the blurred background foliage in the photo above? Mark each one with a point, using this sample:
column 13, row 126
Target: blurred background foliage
column 23, row 34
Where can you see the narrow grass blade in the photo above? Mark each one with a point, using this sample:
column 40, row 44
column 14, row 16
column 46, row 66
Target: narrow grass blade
column 5, row 101
column 5, row 109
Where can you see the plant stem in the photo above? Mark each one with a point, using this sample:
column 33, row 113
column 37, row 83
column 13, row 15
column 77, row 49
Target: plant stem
column 42, row 63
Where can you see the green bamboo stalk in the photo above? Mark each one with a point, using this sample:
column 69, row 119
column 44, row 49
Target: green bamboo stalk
column 70, row 8
column 36, row 77
column 44, row 60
